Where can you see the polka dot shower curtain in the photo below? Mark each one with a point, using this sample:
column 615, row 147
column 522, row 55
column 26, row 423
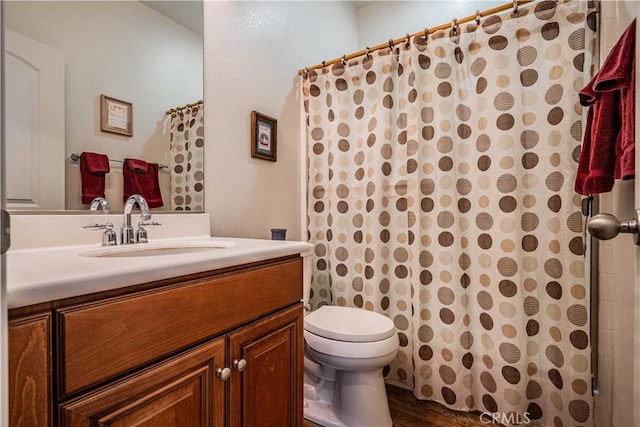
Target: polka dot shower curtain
column 186, row 139
column 440, row 193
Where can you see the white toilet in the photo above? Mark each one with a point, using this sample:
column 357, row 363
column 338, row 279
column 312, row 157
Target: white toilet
column 345, row 351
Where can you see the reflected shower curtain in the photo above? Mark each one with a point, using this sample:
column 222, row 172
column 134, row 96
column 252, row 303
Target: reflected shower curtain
column 440, row 193
column 186, row 147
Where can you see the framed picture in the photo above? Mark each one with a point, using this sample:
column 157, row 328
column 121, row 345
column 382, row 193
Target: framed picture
column 264, row 131
column 116, row 116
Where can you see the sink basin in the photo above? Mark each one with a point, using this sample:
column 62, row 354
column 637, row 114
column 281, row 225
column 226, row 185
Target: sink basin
column 157, row 249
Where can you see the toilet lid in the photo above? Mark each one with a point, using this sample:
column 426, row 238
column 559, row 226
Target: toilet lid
column 349, row 324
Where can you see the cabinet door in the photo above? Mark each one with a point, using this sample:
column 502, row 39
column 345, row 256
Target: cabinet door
column 267, row 391
column 30, row 371
column 182, row 391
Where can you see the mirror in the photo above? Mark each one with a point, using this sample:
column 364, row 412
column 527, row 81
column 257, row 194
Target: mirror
column 61, row 56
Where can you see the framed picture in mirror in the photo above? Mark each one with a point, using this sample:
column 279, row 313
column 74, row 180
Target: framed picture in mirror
column 264, row 131
column 116, row 116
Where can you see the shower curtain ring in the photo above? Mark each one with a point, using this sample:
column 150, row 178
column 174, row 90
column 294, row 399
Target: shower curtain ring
column 408, row 44
column 306, row 73
column 323, row 62
column 368, row 52
column 426, row 34
column 478, row 16
column 454, row 26
column 391, row 44
column 515, row 7
column 344, row 59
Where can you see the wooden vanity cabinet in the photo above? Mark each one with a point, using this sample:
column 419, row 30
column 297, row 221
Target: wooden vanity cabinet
column 222, row 349
column 186, row 391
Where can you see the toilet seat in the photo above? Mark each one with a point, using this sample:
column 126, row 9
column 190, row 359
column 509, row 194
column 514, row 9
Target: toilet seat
column 351, row 350
column 349, row 325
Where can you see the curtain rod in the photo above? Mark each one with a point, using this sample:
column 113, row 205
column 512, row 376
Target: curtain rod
column 75, row 157
column 184, row 107
column 453, row 24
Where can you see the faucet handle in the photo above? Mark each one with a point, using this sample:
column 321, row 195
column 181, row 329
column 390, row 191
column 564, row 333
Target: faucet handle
column 151, row 223
column 109, row 236
column 141, row 233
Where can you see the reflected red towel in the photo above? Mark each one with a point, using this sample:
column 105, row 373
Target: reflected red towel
column 93, row 167
column 145, row 184
column 608, row 148
column 136, row 165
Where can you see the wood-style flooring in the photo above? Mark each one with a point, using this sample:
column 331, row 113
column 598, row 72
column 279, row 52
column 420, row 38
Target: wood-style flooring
column 407, row 411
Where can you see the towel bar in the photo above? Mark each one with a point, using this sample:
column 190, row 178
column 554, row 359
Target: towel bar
column 75, row 157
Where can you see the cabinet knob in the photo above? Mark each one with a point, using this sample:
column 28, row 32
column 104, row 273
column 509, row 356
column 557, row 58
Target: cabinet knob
column 240, row 364
column 223, row 373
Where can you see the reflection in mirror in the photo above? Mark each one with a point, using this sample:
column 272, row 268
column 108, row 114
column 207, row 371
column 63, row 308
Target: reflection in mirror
column 61, row 57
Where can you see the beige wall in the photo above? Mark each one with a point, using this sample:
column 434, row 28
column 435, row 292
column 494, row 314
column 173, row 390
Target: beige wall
column 384, row 20
column 252, row 55
column 125, row 50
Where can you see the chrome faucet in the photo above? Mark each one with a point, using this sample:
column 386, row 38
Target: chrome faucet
column 99, row 202
column 126, row 232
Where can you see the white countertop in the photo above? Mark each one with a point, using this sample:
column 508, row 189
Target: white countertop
column 48, row 273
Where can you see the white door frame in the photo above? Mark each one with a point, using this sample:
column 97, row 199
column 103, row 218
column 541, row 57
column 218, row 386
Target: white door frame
column 4, row 362
column 636, row 358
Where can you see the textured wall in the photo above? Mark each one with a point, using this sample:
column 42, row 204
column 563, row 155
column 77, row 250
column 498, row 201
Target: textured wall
column 252, row 55
column 384, row 20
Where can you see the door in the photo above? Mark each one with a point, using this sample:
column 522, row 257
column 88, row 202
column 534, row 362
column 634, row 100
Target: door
column 4, row 398
column 34, row 124
column 636, row 353
column 616, row 281
column 182, row 391
column 266, row 385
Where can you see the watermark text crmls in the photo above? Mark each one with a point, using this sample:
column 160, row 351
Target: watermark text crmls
column 505, row 418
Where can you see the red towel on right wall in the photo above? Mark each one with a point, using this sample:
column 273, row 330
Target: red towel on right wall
column 608, row 147
column 141, row 178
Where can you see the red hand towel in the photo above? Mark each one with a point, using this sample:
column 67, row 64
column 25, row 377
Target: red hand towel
column 619, row 74
column 597, row 163
column 93, row 167
column 145, row 184
column 608, row 150
column 136, row 165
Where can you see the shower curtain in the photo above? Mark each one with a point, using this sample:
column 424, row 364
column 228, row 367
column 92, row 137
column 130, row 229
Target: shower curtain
column 186, row 147
column 440, row 193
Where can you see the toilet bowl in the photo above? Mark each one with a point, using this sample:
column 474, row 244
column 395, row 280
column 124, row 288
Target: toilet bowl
column 345, row 351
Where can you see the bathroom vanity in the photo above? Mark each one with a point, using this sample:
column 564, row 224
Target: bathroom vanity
column 218, row 346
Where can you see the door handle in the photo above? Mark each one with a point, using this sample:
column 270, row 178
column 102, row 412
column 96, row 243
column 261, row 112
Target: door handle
column 605, row 226
column 5, row 233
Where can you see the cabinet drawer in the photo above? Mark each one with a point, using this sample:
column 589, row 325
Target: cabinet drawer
column 105, row 339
